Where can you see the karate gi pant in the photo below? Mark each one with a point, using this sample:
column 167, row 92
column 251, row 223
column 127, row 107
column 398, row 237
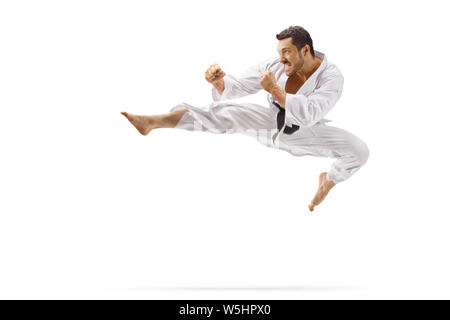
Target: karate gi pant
column 321, row 140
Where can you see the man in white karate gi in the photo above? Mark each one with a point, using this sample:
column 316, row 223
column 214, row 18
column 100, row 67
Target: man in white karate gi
column 302, row 85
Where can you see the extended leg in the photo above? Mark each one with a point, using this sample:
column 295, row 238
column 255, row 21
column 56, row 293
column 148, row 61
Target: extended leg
column 227, row 117
column 144, row 124
column 222, row 117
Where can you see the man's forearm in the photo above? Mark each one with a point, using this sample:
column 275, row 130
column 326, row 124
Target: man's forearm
column 280, row 95
column 219, row 85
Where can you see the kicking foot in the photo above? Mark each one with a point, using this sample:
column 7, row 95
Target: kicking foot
column 143, row 124
column 324, row 187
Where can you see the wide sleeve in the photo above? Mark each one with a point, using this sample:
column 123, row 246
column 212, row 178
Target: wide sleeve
column 246, row 84
column 307, row 110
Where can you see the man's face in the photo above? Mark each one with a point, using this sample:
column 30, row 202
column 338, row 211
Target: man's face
column 289, row 55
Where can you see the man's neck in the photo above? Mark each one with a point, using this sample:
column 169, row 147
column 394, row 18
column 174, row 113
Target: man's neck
column 309, row 68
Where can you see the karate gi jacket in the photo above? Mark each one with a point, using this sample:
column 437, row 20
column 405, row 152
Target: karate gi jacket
column 308, row 106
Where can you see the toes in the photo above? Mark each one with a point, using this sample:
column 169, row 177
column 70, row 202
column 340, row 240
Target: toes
column 311, row 207
column 128, row 116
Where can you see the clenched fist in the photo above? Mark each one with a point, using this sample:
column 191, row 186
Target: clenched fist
column 268, row 81
column 214, row 73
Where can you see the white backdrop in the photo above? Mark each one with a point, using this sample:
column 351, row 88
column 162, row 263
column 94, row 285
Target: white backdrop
column 91, row 209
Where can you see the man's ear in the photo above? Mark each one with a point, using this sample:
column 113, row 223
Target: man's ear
column 305, row 49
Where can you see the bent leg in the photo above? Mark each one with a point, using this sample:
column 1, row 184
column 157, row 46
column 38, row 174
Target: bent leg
column 350, row 152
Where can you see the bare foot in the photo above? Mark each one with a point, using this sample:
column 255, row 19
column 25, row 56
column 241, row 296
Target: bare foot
column 324, row 187
column 144, row 124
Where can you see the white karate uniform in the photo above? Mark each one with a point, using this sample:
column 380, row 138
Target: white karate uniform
column 306, row 108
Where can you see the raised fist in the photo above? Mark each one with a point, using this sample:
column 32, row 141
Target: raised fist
column 214, row 73
column 267, row 81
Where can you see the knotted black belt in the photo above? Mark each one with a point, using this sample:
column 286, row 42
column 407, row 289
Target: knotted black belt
column 281, row 118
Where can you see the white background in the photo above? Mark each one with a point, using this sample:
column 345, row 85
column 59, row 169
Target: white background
column 91, row 209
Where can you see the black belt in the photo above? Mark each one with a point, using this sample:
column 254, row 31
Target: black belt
column 281, row 118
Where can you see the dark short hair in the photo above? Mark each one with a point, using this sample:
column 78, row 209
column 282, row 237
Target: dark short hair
column 300, row 37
